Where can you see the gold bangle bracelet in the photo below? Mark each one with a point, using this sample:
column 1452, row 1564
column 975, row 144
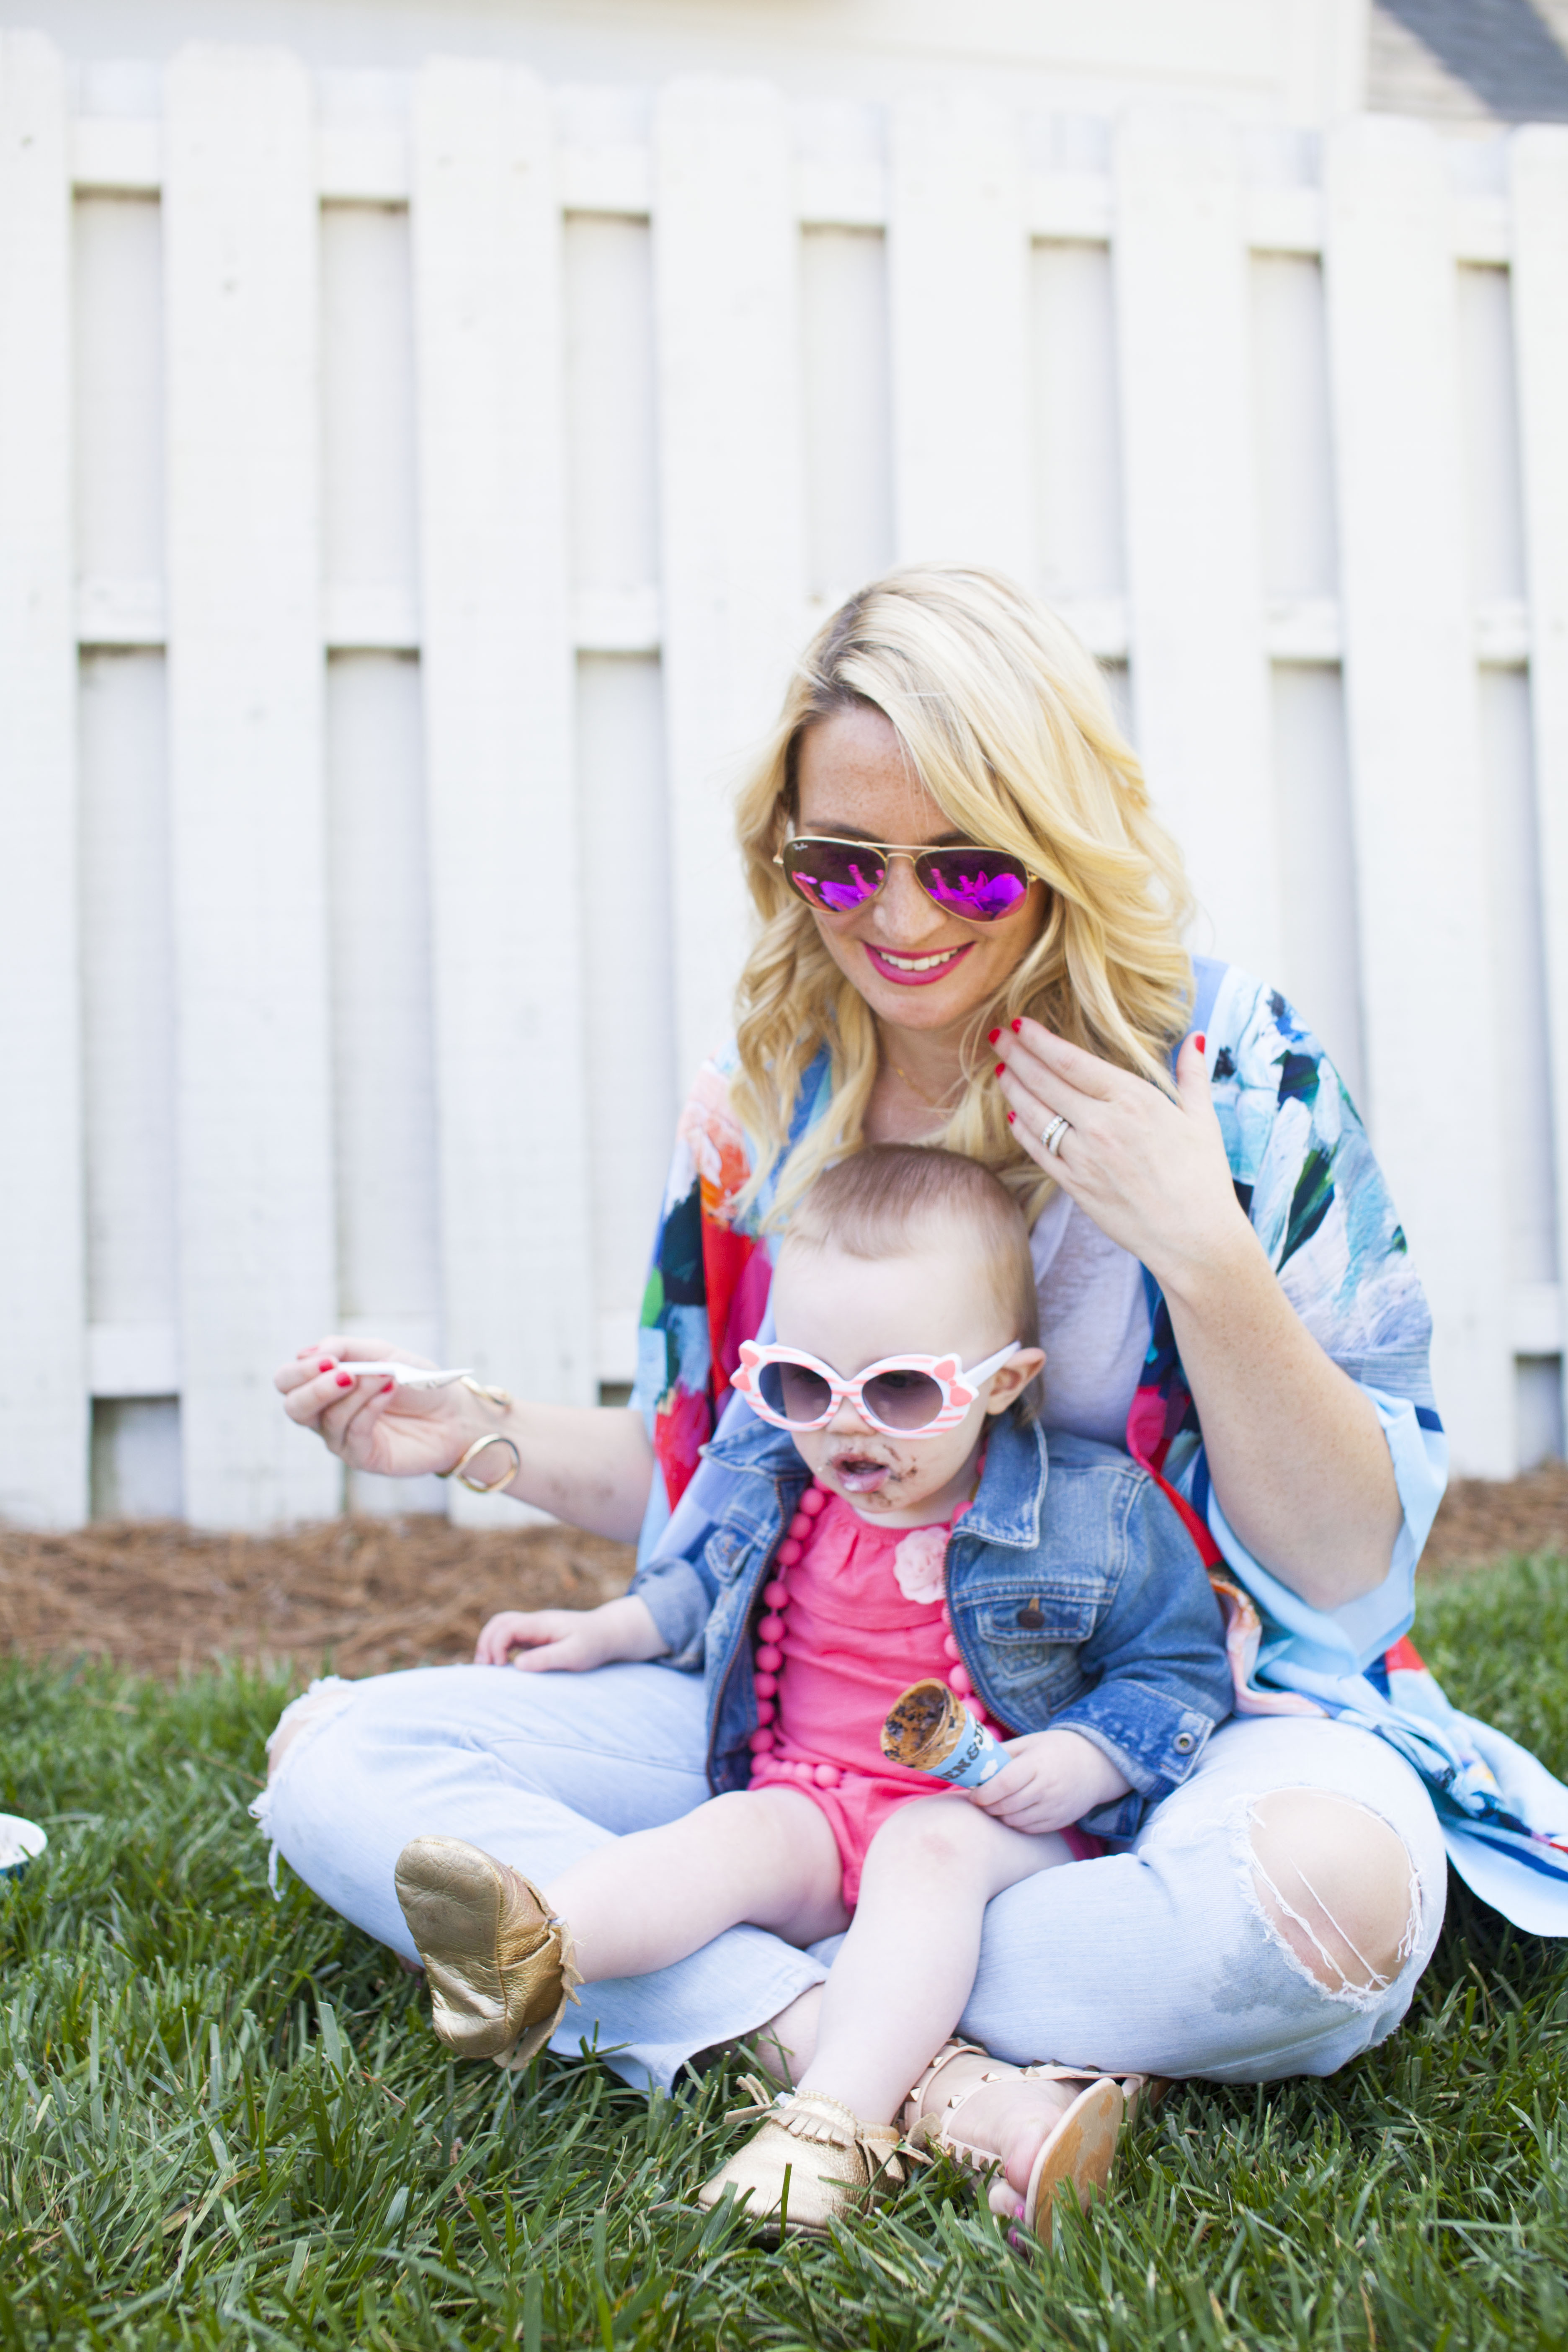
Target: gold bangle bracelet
column 475, row 1486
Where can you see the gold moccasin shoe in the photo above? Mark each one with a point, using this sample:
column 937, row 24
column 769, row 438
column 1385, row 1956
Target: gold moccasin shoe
column 500, row 1969
column 809, row 2162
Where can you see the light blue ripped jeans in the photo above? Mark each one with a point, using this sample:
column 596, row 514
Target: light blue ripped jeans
column 1156, row 1960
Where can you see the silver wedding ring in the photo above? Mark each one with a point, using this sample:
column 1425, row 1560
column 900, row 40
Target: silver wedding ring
column 1051, row 1135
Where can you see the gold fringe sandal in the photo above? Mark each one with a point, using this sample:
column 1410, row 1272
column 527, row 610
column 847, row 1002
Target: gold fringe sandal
column 810, row 2161
column 500, row 1969
column 1077, row 2153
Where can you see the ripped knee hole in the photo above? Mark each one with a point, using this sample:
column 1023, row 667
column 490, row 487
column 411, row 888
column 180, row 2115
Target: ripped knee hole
column 1337, row 1888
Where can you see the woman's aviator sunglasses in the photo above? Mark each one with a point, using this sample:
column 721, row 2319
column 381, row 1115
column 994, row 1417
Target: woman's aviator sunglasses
column 978, row 886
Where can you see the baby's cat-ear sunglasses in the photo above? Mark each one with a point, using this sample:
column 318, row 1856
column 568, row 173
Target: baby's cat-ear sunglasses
column 904, row 1396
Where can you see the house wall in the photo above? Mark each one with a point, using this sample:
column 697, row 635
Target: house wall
column 414, row 487
column 1300, row 61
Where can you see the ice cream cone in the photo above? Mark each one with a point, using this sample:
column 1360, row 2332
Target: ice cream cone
column 930, row 1729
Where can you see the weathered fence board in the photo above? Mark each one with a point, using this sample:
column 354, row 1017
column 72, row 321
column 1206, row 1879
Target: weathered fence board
column 621, row 803
column 845, row 364
column 43, row 1369
column 1080, row 551
column 958, row 263
column 247, row 776
column 129, row 1010
column 503, row 858
column 384, row 1055
column 1431, row 1002
column 130, row 1000
column 1317, row 964
column 732, row 498
column 1541, row 317
column 1199, row 680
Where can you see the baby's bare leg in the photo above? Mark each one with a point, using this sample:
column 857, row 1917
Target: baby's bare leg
column 899, row 1986
column 760, row 1858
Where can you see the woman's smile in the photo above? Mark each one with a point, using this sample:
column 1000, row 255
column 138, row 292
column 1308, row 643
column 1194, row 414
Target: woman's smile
column 915, row 972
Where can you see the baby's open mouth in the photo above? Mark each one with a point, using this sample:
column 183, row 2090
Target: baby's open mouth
column 861, row 1473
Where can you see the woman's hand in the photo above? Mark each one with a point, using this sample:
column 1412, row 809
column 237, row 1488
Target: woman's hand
column 1054, row 1779
column 589, row 1464
column 1153, row 1174
column 373, row 1424
column 570, row 1641
column 1296, row 1453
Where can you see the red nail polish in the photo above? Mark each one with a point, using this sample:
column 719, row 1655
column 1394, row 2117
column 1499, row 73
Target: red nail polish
column 345, row 1379
column 1017, row 1026
column 1200, row 1041
column 326, row 1364
column 992, row 1035
column 387, row 1387
column 1011, row 1121
column 1001, row 1068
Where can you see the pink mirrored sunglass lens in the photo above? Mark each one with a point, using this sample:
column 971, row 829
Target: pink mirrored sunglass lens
column 835, row 879
column 978, row 889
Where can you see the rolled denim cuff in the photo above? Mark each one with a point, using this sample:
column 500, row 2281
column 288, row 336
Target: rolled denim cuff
column 679, row 1604
column 1123, row 1818
column 1152, row 1739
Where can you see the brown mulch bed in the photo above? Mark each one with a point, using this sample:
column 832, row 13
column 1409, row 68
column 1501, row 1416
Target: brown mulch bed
column 372, row 1594
column 1482, row 1520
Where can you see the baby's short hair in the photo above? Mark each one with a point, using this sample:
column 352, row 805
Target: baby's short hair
column 872, row 1204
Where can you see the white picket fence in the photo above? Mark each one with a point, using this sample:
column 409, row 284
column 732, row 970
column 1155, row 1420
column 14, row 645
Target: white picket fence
column 407, row 517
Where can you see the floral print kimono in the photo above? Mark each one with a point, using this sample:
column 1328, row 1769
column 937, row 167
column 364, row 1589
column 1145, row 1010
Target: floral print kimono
column 1304, row 1173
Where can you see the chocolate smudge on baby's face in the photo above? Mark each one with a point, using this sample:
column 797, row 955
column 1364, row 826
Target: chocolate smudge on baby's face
column 874, row 1475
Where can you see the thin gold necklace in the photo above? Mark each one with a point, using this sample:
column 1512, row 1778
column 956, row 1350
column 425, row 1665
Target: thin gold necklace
column 931, row 1102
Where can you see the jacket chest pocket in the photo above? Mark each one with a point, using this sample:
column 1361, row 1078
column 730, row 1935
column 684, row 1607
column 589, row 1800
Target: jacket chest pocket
column 1031, row 1643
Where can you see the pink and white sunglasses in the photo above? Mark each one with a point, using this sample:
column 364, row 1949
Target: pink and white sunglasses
column 904, row 1396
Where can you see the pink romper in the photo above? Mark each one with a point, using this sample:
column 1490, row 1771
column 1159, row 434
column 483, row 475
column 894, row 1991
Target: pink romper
column 862, row 1618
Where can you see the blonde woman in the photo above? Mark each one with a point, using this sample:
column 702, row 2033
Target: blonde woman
column 969, row 932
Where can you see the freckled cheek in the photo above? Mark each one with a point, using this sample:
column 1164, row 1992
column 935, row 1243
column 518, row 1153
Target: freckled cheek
column 839, row 936
column 1014, row 940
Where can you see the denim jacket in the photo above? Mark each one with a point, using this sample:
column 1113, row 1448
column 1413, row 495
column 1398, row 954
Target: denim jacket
column 1084, row 1609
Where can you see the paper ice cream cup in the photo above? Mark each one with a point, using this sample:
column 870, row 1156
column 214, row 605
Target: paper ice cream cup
column 20, row 1842
column 930, row 1729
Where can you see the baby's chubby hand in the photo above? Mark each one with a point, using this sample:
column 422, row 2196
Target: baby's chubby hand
column 570, row 1641
column 1055, row 1778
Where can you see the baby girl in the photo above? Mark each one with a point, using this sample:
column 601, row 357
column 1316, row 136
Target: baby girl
column 889, row 1519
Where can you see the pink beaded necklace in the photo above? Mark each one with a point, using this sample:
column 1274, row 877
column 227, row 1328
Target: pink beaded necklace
column 770, row 1658
column 771, row 1629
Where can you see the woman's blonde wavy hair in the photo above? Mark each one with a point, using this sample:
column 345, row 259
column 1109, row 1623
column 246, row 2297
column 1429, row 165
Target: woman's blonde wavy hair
column 1005, row 719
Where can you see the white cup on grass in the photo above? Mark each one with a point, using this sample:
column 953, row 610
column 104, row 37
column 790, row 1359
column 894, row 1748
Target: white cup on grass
column 20, row 1842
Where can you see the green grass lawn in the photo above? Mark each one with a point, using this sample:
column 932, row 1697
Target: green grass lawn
column 225, row 2120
